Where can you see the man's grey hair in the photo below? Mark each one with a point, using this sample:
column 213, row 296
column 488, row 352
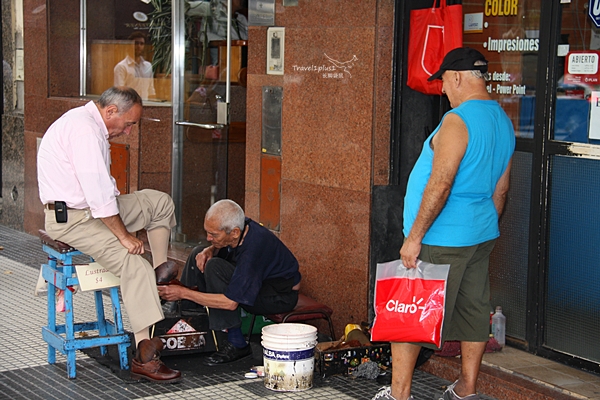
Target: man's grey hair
column 121, row 96
column 229, row 214
column 480, row 75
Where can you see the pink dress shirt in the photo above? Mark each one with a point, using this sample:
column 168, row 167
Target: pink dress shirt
column 73, row 163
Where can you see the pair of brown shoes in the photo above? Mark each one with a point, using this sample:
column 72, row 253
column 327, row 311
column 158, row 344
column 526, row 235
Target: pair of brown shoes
column 147, row 364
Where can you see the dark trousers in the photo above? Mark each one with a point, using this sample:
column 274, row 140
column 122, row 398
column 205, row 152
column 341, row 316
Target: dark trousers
column 216, row 278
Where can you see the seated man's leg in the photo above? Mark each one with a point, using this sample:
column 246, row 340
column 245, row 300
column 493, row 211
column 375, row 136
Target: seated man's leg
column 151, row 210
column 138, row 282
column 217, row 275
column 268, row 302
column 192, row 277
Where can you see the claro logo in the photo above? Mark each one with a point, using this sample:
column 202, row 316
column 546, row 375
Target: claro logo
column 406, row 308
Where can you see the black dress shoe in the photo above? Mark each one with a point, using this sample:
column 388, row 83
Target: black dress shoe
column 227, row 353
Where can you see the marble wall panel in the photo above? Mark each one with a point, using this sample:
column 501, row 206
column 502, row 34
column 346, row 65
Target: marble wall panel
column 328, row 231
column 63, row 48
column 36, row 56
column 155, row 146
column 13, row 167
column 156, row 180
column 33, row 208
column 311, row 14
column 257, row 50
column 328, row 106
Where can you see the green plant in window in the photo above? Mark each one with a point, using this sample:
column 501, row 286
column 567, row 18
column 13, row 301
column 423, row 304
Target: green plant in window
column 161, row 36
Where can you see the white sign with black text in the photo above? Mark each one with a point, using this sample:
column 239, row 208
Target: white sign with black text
column 94, row 276
column 594, row 126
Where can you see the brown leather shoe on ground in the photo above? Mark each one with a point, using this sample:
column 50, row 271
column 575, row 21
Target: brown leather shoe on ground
column 154, row 371
column 166, row 272
column 147, row 364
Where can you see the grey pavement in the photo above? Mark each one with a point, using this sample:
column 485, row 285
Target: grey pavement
column 25, row 373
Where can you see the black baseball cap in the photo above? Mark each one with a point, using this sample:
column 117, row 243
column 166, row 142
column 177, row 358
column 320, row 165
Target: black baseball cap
column 461, row 59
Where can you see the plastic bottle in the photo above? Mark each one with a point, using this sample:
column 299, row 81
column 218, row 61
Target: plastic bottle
column 499, row 326
column 354, row 332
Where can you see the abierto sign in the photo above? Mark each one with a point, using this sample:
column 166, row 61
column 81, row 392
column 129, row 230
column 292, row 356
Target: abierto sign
column 581, row 68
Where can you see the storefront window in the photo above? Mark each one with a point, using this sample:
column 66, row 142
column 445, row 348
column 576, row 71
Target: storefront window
column 117, row 50
column 577, row 107
column 507, row 33
column 120, row 48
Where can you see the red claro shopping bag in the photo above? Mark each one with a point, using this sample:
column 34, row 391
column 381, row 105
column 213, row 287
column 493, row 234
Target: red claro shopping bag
column 433, row 33
column 409, row 303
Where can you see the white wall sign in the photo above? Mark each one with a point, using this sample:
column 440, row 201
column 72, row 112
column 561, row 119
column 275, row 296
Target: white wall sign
column 275, row 50
column 473, row 23
column 594, row 125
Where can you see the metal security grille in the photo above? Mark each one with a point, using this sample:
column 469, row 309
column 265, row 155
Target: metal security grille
column 573, row 288
column 508, row 262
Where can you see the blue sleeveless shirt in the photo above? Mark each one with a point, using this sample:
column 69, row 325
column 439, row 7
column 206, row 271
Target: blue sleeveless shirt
column 469, row 216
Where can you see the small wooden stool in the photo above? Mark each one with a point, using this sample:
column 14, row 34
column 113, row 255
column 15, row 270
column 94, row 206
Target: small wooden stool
column 60, row 273
column 306, row 309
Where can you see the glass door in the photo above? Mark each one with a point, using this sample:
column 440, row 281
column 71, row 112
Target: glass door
column 572, row 316
column 508, row 34
column 209, row 103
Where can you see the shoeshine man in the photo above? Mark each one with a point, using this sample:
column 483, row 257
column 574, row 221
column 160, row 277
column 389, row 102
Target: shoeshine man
column 73, row 166
column 454, row 198
column 245, row 266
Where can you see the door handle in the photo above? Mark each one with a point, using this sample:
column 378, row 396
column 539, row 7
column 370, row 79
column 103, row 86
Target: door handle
column 198, row 125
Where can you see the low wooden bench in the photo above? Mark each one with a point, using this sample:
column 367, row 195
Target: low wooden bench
column 306, row 309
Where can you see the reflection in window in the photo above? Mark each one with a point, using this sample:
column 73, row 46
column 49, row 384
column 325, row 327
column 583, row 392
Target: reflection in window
column 507, row 33
column 120, row 51
column 128, row 42
column 133, row 70
column 578, row 62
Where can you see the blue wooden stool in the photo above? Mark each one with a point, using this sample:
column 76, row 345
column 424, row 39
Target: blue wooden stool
column 60, row 273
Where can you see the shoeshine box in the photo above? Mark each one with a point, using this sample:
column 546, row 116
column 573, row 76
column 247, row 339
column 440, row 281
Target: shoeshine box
column 330, row 360
column 185, row 332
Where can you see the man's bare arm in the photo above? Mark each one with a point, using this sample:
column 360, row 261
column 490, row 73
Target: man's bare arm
column 449, row 147
column 501, row 190
column 212, row 300
column 130, row 242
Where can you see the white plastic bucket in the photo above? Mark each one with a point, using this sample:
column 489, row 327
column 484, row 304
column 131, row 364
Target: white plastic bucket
column 288, row 356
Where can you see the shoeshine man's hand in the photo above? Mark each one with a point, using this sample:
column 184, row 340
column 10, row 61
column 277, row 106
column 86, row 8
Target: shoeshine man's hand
column 171, row 292
column 409, row 252
column 203, row 257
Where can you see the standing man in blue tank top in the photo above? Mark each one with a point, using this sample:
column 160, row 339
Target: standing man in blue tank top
column 455, row 195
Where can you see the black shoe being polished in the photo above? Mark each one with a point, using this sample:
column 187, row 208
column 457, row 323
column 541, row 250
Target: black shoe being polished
column 227, row 353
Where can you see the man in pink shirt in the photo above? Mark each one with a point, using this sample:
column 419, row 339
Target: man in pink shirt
column 74, row 167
